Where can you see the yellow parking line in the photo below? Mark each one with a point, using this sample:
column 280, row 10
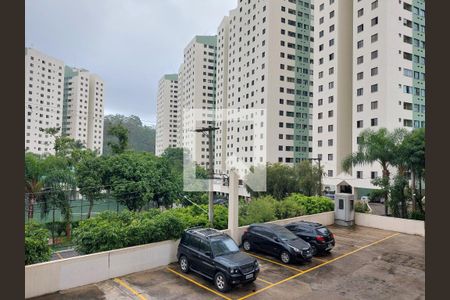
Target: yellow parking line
column 275, row 262
column 199, row 284
column 316, row 267
column 125, row 285
column 322, row 260
column 265, row 281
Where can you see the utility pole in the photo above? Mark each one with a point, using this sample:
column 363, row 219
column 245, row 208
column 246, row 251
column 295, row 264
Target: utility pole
column 210, row 131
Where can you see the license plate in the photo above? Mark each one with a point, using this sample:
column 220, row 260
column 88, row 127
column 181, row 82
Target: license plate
column 248, row 276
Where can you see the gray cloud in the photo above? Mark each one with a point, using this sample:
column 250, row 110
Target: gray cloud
column 129, row 43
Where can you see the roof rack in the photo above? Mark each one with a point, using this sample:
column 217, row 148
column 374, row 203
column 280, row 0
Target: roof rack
column 206, row 232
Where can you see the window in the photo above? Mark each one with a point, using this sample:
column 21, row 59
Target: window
column 360, row 75
column 374, row 21
column 331, row 14
column 374, row 122
column 360, row 60
column 374, row 88
column 359, row 174
column 373, row 174
column 360, row 44
column 330, row 142
column 330, row 128
column 330, row 156
column 374, row 71
column 408, row 72
column 360, row 28
column 407, row 6
column 331, row 29
column 319, row 143
column 374, row 54
column 407, row 123
column 359, row 107
column 330, row 174
column 330, row 99
column 331, row 56
column 319, row 116
column 331, row 42
column 359, row 124
column 374, row 105
column 330, row 114
column 359, row 92
column 319, row 129
column 374, row 4
column 407, row 56
column 407, row 39
column 374, row 38
column 341, row 203
column 360, row 12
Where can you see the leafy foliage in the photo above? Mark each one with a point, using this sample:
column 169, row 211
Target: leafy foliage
column 141, row 138
column 361, row 207
column 36, row 244
column 120, row 133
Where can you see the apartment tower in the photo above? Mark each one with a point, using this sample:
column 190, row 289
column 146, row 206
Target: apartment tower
column 167, row 123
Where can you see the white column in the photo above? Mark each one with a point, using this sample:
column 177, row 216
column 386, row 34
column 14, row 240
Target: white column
column 233, row 207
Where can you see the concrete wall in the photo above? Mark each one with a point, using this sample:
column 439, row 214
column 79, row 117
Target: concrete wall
column 50, row 277
column 389, row 223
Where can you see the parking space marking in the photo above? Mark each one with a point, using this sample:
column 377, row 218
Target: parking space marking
column 319, row 259
column 275, row 262
column 265, row 281
column 125, row 285
column 199, row 284
column 316, row 267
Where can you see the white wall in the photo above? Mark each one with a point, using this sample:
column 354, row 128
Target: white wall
column 416, row 227
column 50, row 277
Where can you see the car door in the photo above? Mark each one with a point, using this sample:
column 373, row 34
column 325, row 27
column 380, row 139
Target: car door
column 206, row 262
column 194, row 253
column 268, row 243
column 256, row 237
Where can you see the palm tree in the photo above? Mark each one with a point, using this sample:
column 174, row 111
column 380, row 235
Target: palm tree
column 377, row 146
column 33, row 180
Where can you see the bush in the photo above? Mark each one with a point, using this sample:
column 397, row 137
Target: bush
column 58, row 228
column 110, row 230
column 36, row 244
column 313, row 204
column 418, row 215
column 289, row 208
column 258, row 210
column 361, row 207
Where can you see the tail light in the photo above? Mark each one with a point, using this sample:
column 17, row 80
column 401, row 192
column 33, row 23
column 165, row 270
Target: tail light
column 320, row 238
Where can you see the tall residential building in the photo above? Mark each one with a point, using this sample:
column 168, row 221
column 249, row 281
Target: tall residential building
column 57, row 96
column 197, row 86
column 264, row 73
column 44, row 85
column 387, row 52
column 83, row 108
column 167, row 123
column 332, row 119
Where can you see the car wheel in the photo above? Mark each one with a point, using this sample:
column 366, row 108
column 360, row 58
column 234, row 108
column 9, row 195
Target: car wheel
column 184, row 264
column 313, row 249
column 285, row 257
column 246, row 245
column 220, row 281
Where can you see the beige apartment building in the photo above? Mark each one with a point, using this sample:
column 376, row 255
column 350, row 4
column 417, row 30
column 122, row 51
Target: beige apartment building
column 58, row 96
column 168, row 112
column 384, row 47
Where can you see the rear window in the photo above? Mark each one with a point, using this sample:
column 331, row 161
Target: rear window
column 323, row 230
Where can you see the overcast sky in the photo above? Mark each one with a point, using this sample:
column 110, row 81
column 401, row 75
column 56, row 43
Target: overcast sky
column 128, row 43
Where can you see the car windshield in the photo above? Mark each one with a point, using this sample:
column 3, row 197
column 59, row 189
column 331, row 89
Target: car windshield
column 223, row 246
column 285, row 234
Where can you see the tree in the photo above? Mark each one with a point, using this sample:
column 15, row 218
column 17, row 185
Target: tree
column 308, row 177
column 121, row 135
column 377, row 146
column 141, row 138
column 34, row 175
column 89, row 177
column 36, row 244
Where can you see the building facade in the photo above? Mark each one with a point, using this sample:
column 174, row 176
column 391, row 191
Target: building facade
column 387, row 81
column 68, row 99
column 197, row 90
column 265, row 60
column 83, row 108
column 167, row 114
column 44, row 87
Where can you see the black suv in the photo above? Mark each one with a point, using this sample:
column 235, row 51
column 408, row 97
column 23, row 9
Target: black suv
column 216, row 256
column 318, row 236
column 277, row 241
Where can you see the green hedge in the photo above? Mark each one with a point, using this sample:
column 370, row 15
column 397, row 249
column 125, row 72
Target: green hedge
column 111, row 230
column 36, row 244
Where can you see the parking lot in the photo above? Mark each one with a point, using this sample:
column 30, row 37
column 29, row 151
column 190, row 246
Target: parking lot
column 366, row 263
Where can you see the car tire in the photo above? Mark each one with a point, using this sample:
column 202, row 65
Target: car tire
column 285, row 257
column 184, row 264
column 221, row 283
column 246, row 245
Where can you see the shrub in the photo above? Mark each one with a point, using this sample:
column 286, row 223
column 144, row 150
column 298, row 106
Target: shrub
column 259, row 210
column 361, row 207
column 36, row 244
column 58, row 228
column 289, row 208
column 313, row 204
column 418, row 215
